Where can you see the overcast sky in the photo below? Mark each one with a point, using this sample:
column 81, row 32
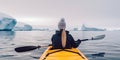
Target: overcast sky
column 93, row 13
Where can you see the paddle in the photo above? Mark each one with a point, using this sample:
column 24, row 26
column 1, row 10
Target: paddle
column 29, row 48
column 95, row 38
column 26, row 48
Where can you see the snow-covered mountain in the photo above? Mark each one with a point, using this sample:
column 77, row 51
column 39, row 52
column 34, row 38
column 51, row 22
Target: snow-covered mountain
column 7, row 22
column 22, row 27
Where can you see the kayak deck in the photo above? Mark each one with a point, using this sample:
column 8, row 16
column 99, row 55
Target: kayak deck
column 62, row 54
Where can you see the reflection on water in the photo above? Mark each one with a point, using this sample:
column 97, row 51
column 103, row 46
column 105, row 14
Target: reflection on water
column 101, row 54
column 7, row 35
column 6, row 44
column 2, row 56
column 96, row 55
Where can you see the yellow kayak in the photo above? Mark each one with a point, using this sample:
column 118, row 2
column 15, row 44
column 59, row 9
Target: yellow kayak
column 62, row 54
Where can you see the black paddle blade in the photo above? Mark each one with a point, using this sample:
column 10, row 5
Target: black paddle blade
column 26, row 48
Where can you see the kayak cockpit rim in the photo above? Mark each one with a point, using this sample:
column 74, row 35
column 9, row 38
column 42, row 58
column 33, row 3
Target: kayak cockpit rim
column 59, row 50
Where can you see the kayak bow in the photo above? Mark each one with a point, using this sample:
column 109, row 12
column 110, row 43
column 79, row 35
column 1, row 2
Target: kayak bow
column 62, row 54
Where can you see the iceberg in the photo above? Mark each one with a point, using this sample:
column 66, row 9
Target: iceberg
column 22, row 27
column 7, row 23
column 84, row 28
column 75, row 29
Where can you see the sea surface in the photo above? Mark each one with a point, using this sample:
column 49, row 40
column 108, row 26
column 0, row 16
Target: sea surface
column 104, row 49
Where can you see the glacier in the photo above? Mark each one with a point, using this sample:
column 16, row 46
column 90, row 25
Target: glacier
column 7, row 23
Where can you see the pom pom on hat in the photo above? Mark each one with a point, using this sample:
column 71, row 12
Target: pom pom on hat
column 62, row 24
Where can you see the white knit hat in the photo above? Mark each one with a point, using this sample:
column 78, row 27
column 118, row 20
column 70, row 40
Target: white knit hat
column 62, row 24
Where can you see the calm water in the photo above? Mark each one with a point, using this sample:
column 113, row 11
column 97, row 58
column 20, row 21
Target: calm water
column 110, row 45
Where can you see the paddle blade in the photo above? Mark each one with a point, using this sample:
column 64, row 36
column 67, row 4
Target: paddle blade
column 98, row 37
column 26, row 48
column 95, row 38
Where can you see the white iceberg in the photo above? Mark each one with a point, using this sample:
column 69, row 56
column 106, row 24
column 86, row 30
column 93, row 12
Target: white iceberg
column 22, row 27
column 84, row 28
column 7, row 23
